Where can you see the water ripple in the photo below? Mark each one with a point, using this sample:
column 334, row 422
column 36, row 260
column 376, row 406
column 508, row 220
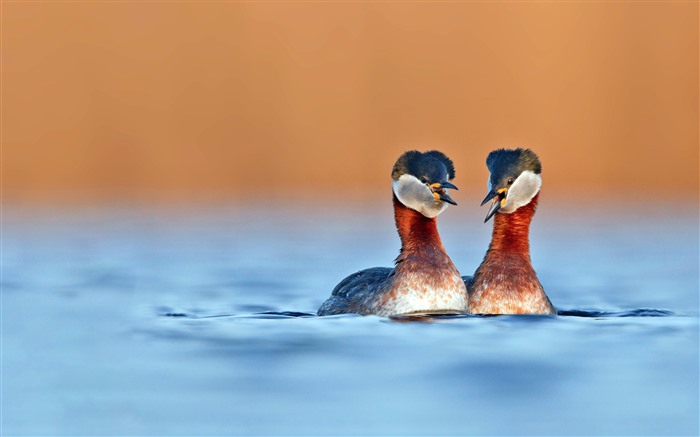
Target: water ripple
column 424, row 317
column 641, row 312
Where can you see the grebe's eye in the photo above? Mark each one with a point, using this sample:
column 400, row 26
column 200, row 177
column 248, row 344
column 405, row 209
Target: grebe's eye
column 424, row 179
column 510, row 181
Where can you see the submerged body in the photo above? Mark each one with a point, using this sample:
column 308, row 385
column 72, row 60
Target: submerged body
column 505, row 282
column 424, row 278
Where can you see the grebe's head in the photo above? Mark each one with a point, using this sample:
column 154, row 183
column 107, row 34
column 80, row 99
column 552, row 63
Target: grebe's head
column 421, row 180
column 515, row 179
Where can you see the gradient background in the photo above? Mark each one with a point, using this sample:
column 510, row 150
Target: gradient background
column 192, row 158
column 181, row 101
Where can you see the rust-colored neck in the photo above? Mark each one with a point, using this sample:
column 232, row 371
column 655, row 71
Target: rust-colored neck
column 511, row 232
column 417, row 231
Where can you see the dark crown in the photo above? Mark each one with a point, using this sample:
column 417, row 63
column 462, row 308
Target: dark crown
column 433, row 165
column 513, row 162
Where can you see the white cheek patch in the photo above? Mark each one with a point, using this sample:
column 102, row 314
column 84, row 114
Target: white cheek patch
column 416, row 195
column 525, row 187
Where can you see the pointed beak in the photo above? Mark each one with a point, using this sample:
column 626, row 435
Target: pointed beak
column 489, row 196
column 499, row 199
column 439, row 192
column 446, row 184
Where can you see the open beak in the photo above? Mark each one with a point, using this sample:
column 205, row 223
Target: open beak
column 499, row 200
column 439, row 192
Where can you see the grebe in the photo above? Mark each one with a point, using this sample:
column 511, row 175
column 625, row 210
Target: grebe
column 424, row 278
column 505, row 282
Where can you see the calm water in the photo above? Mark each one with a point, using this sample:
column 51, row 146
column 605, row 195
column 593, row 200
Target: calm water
column 151, row 321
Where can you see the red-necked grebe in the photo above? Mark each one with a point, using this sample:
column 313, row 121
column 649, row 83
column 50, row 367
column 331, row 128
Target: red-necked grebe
column 424, row 278
column 505, row 282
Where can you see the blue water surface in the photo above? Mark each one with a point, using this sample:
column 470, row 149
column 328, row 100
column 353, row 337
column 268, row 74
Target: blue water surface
column 199, row 321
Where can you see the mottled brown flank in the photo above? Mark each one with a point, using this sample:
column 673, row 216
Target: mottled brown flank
column 424, row 279
column 422, row 265
column 505, row 282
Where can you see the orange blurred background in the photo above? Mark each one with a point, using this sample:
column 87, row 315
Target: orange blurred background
column 158, row 101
